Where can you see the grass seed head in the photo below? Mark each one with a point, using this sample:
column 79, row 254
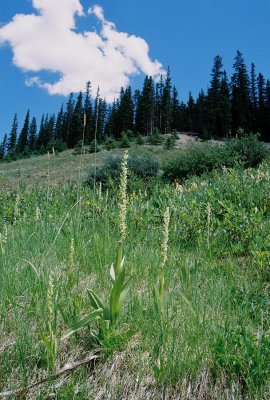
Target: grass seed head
column 123, row 198
column 164, row 243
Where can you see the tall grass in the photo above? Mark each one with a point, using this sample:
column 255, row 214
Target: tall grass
column 215, row 297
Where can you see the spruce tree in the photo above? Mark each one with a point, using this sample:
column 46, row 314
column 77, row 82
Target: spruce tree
column 214, row 99
column 12, row 140
column 33, row 135
column 240, row 95
column 88, row 115
column 59, row 125
column 262, row 107
column 3, row 147
column 76, row 124
column 166, row 105
column 22, row 144
column 253, row 99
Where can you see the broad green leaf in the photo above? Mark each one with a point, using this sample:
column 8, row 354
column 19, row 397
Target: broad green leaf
column 94, row 315
column 125, row 291
column 119, row 258
column 112, row 273
column 95, row 301
column 115, row 294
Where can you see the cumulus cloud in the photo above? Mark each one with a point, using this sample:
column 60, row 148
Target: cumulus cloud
column 48, row 41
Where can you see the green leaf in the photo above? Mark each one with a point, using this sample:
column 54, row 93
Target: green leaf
column 125, row 291
column 94, row 315
column 115, row 294
column 95, row 301
column 119, row 258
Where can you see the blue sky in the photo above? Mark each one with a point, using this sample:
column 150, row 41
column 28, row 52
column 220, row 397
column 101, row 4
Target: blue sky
column 185, row 34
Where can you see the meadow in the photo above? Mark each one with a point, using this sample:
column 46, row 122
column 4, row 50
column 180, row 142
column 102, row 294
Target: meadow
column 186, row 312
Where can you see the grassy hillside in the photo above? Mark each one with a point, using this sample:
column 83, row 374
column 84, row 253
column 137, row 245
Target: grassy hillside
column 205, row 335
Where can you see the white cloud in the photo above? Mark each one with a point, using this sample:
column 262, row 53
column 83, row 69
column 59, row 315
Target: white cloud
column 48, row 41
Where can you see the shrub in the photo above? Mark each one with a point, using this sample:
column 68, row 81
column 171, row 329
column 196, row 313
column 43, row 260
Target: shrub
column 138, row 166
column 125, row 143
column 196, row 159
column 156, row 138
column 78, row 148
column 248, row 150
column 109, row 143
column 93, row 147
column 140, row 140
column 169, row 142
column 201, row 158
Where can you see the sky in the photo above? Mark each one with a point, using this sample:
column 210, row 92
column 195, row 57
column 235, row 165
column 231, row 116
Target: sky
column 49, row 48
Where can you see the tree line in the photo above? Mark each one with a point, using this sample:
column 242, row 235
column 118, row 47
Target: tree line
column 229, row 107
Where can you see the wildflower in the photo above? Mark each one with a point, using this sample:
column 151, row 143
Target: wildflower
column 37, row 214
column 123, row 198
column 71, row 253
column 16, row 209
column 164, row 244
column 51, row 298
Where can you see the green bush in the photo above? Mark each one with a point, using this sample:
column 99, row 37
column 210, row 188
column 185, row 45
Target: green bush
column 109, row 143
column 200, row 158
column 156, row 138
column 93, row 148
column 124, row 143
column 140, row 140
column 197, row 159
column 170, row 142
column 138, row 167
column 248, row 150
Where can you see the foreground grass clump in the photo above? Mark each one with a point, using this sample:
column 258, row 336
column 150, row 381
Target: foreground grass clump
column 206, row 330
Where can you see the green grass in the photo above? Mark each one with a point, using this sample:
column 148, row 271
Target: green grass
column 215, row 339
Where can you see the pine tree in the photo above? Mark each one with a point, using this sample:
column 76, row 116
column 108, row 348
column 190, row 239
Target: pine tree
column 12, row 140
column 22, row 144
column 33, row 135
column 225, row 107
column 88, row 112
column 59, row 125
column 214, row 99
column 68, row 118
column 267, row 119
column 3, row 147
column 76, row 124
column 253, row 99
column 240, row 95
column 145, row 116
column 166, row 105
column 177, row 115
column 262, row 107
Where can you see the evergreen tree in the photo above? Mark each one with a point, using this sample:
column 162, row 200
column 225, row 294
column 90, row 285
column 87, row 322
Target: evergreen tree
column 88, row 112
column 225, row 107
column 126, row 110
column 214, row 99
column 177, row 115
column 3, row 147
column 253, row 99
column 12, row 140
column 33, row 135
column 267, row 118
column 59, row 125
column 166, row 105
column 190, row 114
column 76, row 124
column 199, row 117
column 22, row 144
column 262, row 107
column 240, row 95
column 145, row 116
column 68, row 118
